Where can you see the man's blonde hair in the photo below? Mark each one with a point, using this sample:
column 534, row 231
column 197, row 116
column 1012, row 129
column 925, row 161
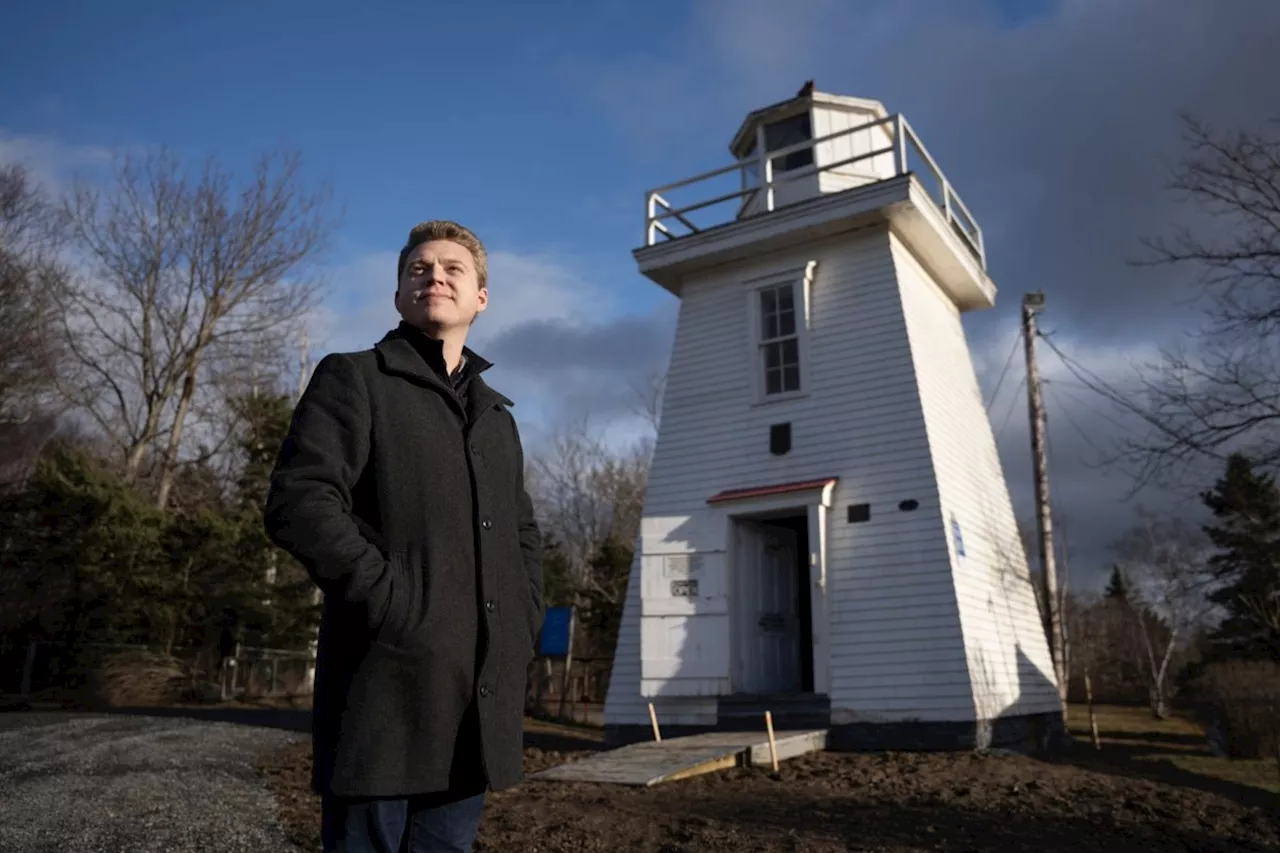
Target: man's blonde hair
column 443, row 229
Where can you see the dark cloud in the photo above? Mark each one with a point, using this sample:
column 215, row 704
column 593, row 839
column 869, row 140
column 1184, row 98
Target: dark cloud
column 598, row 368
column 1088, row 493
column 1059, row 133
column 623, row 345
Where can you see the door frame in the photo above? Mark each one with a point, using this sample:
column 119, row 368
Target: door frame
column 814, row 503
column 740, row 628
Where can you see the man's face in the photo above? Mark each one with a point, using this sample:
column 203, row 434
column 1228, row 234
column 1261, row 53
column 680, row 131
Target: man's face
column 439, row 289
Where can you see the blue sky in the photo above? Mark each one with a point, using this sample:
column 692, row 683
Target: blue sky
column 488, row 113
column 469, row 113
column 541, row 124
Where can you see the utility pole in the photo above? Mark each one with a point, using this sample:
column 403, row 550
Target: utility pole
column 1031, row 305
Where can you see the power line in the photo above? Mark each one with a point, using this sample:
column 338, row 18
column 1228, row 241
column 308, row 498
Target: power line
column 1013, row 404
column 1061, row 389
column 1091, row 381
column 1013, row 350
column 1087, row 377
column 1071, row 420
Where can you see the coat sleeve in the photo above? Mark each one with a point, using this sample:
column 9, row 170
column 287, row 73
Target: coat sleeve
column 309, row 503
column 530, row 536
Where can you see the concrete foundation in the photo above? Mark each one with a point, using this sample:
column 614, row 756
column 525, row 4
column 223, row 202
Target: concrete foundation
column 1035, row 733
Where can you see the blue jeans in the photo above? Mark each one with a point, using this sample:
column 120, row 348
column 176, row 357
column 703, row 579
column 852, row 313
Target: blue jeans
column 430, row 823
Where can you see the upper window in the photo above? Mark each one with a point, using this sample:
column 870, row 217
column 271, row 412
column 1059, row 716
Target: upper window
column 778, row 304
column 790, row 131
column 780, row 134
column 779, row 339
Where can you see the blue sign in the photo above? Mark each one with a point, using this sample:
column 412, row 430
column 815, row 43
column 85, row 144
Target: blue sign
column 955, row 534
column 554, row 641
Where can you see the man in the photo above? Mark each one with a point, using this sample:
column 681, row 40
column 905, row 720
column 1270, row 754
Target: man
column 400, row 488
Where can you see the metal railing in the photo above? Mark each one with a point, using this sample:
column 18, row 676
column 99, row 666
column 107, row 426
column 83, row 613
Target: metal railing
column 904, row 145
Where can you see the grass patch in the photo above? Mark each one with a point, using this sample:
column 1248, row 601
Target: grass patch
column 1255, row 773
column 1179, row 741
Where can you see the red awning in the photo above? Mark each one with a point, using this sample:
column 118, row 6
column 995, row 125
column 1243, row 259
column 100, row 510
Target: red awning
column 765, row 491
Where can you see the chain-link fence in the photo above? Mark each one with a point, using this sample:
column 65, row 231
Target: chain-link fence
column 257, row 673
column 108, row 672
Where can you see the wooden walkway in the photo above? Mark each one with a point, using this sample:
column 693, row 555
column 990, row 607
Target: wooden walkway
column 651, row 762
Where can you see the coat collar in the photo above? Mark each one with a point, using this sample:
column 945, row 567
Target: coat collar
column 397, row 356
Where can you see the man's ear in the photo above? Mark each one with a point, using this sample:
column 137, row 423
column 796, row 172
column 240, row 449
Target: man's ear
column 482, row 299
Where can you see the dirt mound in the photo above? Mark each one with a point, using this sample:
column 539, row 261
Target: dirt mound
column 827, row 802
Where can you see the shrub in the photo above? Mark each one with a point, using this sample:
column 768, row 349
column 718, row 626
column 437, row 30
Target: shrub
column 135, row 679
column 1239, row 704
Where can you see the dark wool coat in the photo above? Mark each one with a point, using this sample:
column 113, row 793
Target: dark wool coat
column 405, row 501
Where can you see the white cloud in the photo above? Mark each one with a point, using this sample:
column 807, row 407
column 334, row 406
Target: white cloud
column 51, row 162
column 534, row 304
column 523, row 289
column 527, row 292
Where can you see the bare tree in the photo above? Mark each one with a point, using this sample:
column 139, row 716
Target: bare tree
column 191, row 276
column 31, row 280
column 1166, row 562
column 1221, row 391
column 649, row 394
column 1108, row 643
column 588, row 493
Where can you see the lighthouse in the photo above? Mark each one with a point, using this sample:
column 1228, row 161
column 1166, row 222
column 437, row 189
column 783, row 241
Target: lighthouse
column 827, row 531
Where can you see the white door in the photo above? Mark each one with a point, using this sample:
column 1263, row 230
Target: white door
column 767, row 610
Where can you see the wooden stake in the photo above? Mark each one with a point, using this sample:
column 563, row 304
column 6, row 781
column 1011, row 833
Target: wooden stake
column 773, row 745
column 568, row 665
column 653, row 718
column 1093, row 719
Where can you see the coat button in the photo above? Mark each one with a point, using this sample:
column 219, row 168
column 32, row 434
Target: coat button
column 490, row 605
column 484, row 691
column 487, row 524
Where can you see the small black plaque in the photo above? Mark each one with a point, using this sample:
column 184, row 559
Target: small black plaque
column 773, row 622
column 859, row 513
column 908, row 505
column 780, row 439
column 684, row 588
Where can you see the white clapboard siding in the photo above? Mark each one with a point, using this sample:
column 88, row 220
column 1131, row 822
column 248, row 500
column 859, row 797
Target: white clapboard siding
column 897, row 648
column 829, row 120
column 996, row 605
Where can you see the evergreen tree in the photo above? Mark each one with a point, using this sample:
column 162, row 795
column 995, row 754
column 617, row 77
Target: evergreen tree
column 281, row 613
column 604, row 598
column 1118, row 586
column 1246, row 506
column 264, row 422
column 86, row 552
column 557, row 579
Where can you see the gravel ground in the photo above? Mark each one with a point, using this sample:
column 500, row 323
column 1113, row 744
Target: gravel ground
column 106, row 783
